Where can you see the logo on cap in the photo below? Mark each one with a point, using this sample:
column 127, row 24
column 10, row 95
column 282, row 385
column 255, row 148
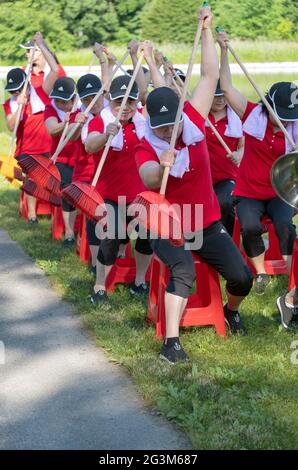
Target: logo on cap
column 10, row 80
column 89, row 85
column 60, row 88
column 163, row 109
column 124, row 87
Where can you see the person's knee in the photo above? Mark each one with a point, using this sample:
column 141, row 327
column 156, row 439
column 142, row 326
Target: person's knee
column 108, row 252
column 240, row 283
column 251, row 229
column 181, row 280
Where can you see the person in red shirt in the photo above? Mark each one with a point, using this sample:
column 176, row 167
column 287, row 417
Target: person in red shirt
column 190, row 187
column 264, row 144
column 56, row 116
column 119, row 182
column 40, row 66
column 224, row 168
column 32, row 136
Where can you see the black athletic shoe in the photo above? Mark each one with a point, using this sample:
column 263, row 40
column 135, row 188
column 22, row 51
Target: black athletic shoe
column 234, row 322
column 99, row 297
column 262, row 281
column 68, row 242
column 33, row 221
column 173, row 354
column 287, row 316
column 142, row 289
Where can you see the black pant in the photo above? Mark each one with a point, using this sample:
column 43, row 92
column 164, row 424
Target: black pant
column 109, row 246
column 223, row 191
column 218, row 250
column 66, row 173
column 250, row 213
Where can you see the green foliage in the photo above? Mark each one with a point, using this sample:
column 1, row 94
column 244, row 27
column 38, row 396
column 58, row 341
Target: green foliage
column 166, row 20
column 21, row 19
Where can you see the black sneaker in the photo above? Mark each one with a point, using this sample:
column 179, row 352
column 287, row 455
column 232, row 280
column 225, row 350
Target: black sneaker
column 287, row 316
column 262, row 281
column 68, row 242
column 142, row 289
column 99, row 297
column 234, row 322
column 33, row 221
column 173, row 354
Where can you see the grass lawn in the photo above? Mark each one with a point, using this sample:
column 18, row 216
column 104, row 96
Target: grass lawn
column 249, row 51
column 236, row 394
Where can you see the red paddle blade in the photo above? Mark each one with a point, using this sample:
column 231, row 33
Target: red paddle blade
column 31, row 188
column 87, row 199
column 158, row 216
column 43, row 171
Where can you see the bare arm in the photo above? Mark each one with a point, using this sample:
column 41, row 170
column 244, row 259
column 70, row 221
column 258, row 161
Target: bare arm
column 156, row 76
column 151, row 172
column 54, row 73
column 203, row 94
column 96, row 141
column 140, row 78
column 54, row 127
column 235, row 99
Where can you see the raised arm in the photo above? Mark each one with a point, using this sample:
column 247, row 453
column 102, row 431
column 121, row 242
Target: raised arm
column 133, row 47
column 54, row 72
column 156, row 76
column 99, row 51
column 203, row 94
column 235, row 99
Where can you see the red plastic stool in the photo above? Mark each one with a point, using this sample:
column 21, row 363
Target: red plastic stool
column 42, row 208
column 123, row 271
column 57, row 223
column 293, row 278
column 82, row 247
column 203, row 308
column 274, row 262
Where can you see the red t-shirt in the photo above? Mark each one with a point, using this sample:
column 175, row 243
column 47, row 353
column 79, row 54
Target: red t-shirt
column 84, row 167
column 32, row 135
column 254, row 172
column 68, row 155
column 119, row 176
column 222, row 168
column 195, row 187
column 37, row 80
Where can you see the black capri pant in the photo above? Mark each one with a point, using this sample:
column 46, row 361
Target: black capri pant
column 109, row 246
column 218, row 250
column 223, row 191
column 250, row 213
column 66, row 173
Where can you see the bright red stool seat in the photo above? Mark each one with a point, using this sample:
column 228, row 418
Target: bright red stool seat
column 204, row 306
column 274, row 262
column 123, row 271
column 293, row 278
column 82, row 246
column 42, row 207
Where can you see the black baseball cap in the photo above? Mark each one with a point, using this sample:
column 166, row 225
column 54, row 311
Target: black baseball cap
column 162, row 106
column 180, row 74
column 284, row 98
column 88, row 85
column 64, row 89
column 15, row 79
column 119, row 86
column 218, row 91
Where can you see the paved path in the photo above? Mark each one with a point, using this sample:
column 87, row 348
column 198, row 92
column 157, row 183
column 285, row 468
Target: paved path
column 57, row 389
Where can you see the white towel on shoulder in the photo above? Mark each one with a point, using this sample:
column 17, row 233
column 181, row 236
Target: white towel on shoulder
column 234, row 127
column 191, row 134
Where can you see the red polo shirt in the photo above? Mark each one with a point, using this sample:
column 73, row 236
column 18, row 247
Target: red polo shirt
column 195, row 187
column 32, row 135
column 222, row 168
column 68, row 155
column 254, row 172
column 84, row 167
column 37, row 80
column 119, row 176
